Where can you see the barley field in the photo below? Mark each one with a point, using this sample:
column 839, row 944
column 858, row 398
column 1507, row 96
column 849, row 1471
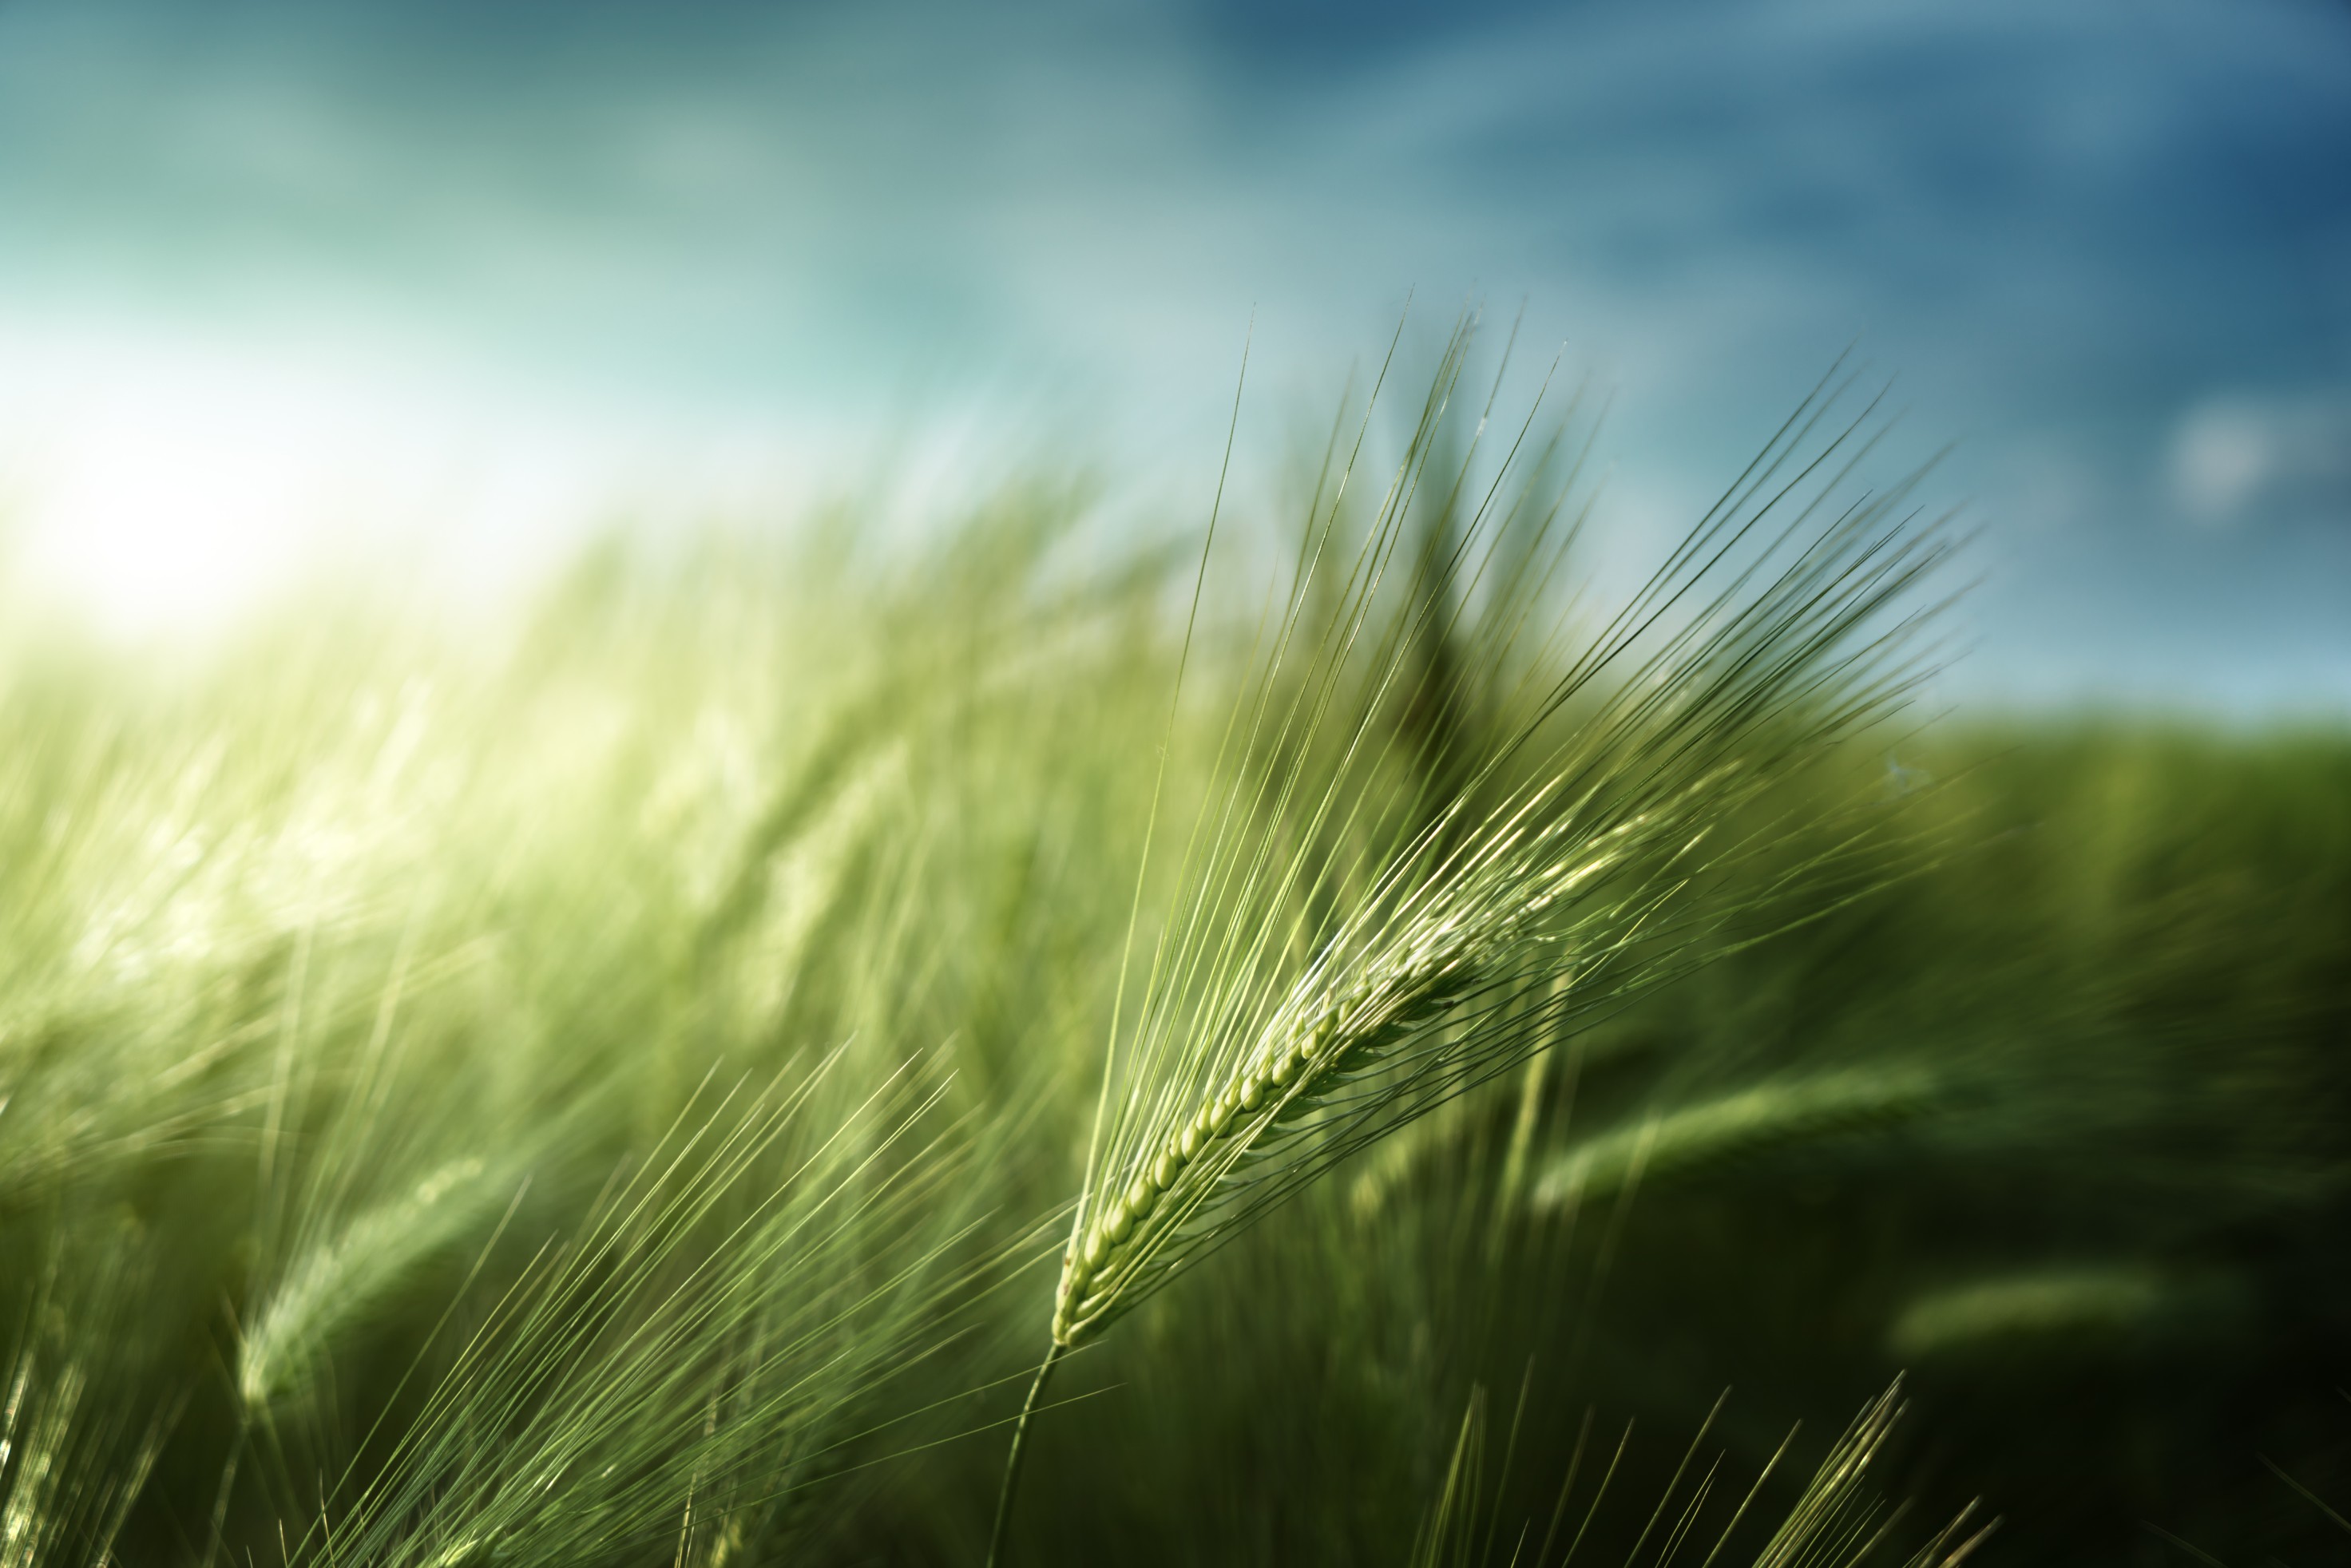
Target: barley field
column 1334, row 1033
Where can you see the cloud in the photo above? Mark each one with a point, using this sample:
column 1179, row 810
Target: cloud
column 2241, row 458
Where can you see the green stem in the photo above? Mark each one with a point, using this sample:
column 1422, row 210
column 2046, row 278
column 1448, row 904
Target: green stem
column 227, row 1485
column 1012, row 1460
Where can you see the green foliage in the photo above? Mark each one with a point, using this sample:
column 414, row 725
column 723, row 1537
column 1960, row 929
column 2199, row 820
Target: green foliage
column 610, row 1089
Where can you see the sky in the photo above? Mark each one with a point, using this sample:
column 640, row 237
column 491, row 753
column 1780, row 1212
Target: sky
column 278, row 276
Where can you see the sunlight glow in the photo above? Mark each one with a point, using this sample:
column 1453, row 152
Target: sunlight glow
column 162, row 486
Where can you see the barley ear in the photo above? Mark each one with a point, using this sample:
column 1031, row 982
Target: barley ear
column 1365, row 931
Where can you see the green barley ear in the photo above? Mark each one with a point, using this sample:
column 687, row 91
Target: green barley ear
column 1839, row 1521
column 2062, row 1306
column 73, row 1457
column 1557, row 872
column 339, row 1280
column 781, row 1255
column 1689, row 1139
column 1348, row 952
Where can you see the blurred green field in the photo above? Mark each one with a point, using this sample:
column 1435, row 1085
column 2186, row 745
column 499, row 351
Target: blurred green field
column 611, row 1090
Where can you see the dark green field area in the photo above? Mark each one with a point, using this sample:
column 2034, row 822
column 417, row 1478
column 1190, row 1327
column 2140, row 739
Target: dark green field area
column 619, row 1090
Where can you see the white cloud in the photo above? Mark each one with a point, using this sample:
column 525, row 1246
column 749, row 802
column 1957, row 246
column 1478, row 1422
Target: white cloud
column 2238, row 457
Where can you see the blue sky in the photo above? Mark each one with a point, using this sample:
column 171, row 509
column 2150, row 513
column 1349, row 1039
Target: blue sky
column 541, row 251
